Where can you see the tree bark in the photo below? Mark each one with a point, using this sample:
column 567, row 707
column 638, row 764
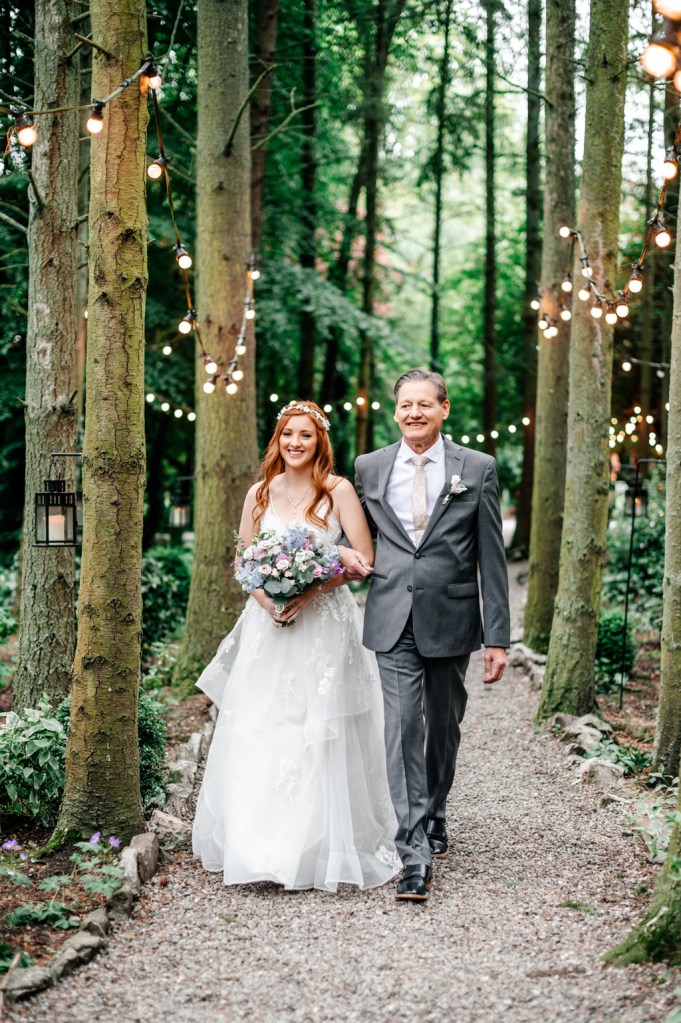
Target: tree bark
column 521, row 538
column 645, row 352
column 102, row 788
column 226, row 439
column 438, row 166
column 489, row 397
column 569, row 679
column 264, row 49
column 308, row 182
column 667, row 749
column 548, row 485
column 47, row 633
column 671, row 124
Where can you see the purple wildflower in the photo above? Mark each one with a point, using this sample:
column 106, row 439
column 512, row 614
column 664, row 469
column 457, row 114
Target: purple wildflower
column 11, row 843
column 115, row 842
column 94, row 839
column 23, row 856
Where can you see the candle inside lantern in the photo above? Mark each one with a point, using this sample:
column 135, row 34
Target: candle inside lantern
column 57, row 526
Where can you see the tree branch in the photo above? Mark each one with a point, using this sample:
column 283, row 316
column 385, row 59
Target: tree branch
column 13, row 223
column 227, row 151
column 282, row 126
column 36, row 192
column 95, row 46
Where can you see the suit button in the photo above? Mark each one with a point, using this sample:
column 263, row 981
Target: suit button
column 417, row 555
column 409, row 589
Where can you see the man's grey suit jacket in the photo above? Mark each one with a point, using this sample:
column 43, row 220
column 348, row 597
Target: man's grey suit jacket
column 438, row 582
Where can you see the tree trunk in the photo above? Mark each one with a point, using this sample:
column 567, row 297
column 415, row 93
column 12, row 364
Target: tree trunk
column 569, row 679
column 226, row 439
column 645, row 352
column 445, row 22
column 548, row 487
column 489, row 397
column 102, row 760
column 521, row 538
column 264, row 48
column 667, row 750
column 308, row 182
column 671, row 124
column 46, row 618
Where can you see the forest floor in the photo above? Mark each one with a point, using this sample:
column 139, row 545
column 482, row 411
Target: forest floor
column 541, row 880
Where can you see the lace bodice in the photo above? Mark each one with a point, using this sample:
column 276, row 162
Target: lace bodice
column 272, row 520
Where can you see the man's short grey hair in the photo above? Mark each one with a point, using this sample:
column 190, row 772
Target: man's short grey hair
column 414, row 375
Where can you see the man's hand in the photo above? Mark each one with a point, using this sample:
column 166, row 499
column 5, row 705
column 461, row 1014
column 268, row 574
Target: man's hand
column 495, row 662
column 355, row 564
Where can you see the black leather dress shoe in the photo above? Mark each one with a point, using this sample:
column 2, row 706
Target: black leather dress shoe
column 436, row 834
column 414, row 883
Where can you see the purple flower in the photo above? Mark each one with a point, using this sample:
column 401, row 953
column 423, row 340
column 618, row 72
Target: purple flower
column 11, row 843
column 94, row 839
column 23, row 856
column 115, row 842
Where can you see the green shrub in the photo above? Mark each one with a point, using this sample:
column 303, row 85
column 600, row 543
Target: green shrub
column 151, row 732
column 32, row 754
column 8, row 588
column 166, row 573
column 609, row 649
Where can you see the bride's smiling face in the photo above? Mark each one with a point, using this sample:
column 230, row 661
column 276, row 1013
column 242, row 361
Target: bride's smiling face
column 298, row 441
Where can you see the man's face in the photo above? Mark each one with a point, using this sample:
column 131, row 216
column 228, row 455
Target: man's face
column 419, row 413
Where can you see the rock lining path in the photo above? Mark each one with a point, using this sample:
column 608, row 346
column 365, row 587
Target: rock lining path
column 494, row 943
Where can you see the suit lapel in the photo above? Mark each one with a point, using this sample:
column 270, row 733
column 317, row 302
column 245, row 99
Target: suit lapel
column 385, row 468
column 454, row 459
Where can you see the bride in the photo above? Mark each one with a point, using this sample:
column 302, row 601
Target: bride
column 295, row 789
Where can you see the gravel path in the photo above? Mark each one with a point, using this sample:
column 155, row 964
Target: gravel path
column 495, row 942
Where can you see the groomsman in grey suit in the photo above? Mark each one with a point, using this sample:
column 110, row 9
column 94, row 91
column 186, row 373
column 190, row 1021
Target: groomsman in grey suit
column 434, row 508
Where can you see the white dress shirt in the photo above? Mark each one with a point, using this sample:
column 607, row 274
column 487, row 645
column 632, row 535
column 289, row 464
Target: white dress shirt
column 399, row 493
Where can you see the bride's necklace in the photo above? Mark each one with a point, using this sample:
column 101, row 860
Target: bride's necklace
column 296, row 504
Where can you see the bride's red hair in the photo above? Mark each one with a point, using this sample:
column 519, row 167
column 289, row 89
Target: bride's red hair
column 273, row 465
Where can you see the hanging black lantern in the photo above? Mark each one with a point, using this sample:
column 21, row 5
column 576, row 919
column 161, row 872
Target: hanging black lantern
column 181, row 504
column 636, row 500
column 55, row 516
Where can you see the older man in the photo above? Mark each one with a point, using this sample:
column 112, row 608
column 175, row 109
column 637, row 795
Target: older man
column 434, row 507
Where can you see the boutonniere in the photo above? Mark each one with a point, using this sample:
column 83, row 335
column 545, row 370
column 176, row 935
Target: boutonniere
column 456, row 488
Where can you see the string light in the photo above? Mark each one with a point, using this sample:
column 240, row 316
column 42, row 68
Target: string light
column 375, row 405
column 543, row 323
column 626, row 366
column 95, row 121
column 584, row 294
column 564, row 231
column 566, row 285
column 151, row 397
column 238, row 374
column 565, row 315
column 661, row 235
column 182, row 256
column 152, row 75
column 659, row 58
column 187, row 322
column 155, row 170
column 611, row 316
column 275, row 397
column 240, row 349
column 347, row 406
column 328, row 408
column 209, row 385
column 167, row 350
column 636, row 280
column 191, row 416
column 622, row 307
column 535, row 304
column 210, row 365
column 494, row 434
column 465, row 439
column 178, row 413
column 597, row 311
column 670, row 167
column 165, row 406
column 253, row 268
column 512, row 428
column 361, row 400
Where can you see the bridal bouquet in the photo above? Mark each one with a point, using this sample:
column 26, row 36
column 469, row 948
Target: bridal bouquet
column 284, row 565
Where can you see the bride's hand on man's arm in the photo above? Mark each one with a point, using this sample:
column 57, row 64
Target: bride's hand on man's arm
column 355, row 564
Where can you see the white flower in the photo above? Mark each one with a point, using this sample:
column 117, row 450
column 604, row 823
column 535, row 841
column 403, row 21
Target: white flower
column 456, row 488
column 265, row 570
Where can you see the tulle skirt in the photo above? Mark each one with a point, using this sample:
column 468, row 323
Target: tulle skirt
column 295, row 788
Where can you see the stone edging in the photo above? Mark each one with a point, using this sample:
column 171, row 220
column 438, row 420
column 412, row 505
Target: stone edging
column 139, row 862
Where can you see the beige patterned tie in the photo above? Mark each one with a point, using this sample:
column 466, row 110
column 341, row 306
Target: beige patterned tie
column 419, row 504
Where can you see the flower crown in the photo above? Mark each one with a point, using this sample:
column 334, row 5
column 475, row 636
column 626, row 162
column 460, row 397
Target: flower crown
column 305, row 408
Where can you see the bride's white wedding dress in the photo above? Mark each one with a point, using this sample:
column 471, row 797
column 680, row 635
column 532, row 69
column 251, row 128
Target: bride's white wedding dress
column 295, row 788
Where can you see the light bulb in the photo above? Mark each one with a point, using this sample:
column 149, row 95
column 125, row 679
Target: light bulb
column 596, row 312
column 347, row 405
column 626, row 366
column 534, row 304
column 209, row 386
column 659, row 449
column 375, row 405
column 255, row 275
column 231, row 388
column 583, row 293
column 165, row 407
column 622, row 309
column 526, row 420
column 155, row 169
column 670, row 167
column 662, row 236
column 659, row 59
column 512, row 428
column 328, row 408
column 660, row 374
column 611, row 317
column 649, row 419
column 494, row 434
column 210, row 366
column 564, row 231
column 360, row 400
column 611, row 442
column 25, row 129
column 480, row 437
column 636, row 279
column 566, row 286
column 274, row 397
column 238, row 374
column 178, row 413
column 587, row 271
column 465, row 439
column 167, row 350
column 250, row 314
column 150, row 397
column 637, row 410
column 677, row 81
column 543, row 323
column 183, row 257
column 95, row 121
column 240, row 350
column 565, row 315
column 186, row 323
column 191, row 416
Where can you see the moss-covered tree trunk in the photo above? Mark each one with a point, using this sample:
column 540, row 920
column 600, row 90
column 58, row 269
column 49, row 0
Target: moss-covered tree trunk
column 226, row 440
column 489, row 312
column 308, row 182
column 569, row 679
column 265, row 19
column 445, row 22
column 521, row 536
column 46, row 618
column 102, row 762
column 548, row 486
column 667, row 750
